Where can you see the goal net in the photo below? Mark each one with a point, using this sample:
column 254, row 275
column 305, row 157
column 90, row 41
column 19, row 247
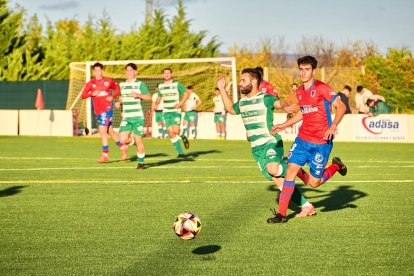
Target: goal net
column 201, row 73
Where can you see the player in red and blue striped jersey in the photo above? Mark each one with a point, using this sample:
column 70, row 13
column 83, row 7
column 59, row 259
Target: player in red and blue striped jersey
column 99, row 89
column 314, row 142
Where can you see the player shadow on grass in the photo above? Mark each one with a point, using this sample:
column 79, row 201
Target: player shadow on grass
column 135, row 158
column 11, row 191
column 340, row 198
column 189, row 157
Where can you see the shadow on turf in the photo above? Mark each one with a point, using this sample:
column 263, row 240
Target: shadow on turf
column 207, row 249
column 11, row 191
column 338, row 199
column 187, row 157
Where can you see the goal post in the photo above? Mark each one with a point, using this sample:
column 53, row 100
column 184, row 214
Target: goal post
column 201, row 73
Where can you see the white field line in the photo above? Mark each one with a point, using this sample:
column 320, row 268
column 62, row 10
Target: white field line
column 197, row 181
column 163, row 167
column 247, row 159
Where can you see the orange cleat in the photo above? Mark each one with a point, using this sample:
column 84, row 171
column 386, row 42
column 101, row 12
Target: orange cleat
column 307, row 211
column 104, row 158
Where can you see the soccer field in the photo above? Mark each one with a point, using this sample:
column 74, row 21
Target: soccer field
column 63, row 213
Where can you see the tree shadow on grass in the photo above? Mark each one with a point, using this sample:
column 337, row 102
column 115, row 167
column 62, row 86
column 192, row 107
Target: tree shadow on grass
column 11, row 191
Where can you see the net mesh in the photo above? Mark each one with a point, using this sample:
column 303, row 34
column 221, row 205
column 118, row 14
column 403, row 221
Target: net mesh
column 201, row 75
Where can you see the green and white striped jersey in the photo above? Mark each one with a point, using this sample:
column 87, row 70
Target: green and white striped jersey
column 132, row 107
column 170, row 94
column 257, row 116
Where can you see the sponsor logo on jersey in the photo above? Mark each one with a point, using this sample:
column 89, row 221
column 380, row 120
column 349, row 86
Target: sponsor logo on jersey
column 376, row 126
column 93, row 85
column 308, row 109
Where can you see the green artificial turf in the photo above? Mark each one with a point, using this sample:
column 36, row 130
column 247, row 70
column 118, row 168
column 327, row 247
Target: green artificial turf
column 63, row 213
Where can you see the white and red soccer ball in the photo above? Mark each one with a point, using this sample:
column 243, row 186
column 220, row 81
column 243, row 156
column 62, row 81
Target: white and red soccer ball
column 187, row 226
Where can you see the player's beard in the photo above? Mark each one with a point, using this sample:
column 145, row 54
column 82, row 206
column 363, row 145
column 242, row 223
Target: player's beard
column 246, row 90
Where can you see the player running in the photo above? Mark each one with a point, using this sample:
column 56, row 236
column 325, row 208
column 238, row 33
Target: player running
column 314, row 142
column 256, row 109
column 133, row 91
column 169, row 93
column 99, row 89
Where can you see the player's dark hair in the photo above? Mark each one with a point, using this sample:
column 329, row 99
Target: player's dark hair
column 190, row 87
column 167, row 68
column 98, row 64
column 254, row 74
column 308, row 60
column 348, row 88
column 369, row 101
column 359, row 88
column 216, row 88
column 260, row 69
column 294, row 84
column 132, row 65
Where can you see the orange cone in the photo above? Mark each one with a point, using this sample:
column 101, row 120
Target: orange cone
column 39, row 100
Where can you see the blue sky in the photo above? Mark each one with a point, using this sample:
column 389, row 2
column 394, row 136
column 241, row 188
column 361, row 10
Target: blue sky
column 387, row 24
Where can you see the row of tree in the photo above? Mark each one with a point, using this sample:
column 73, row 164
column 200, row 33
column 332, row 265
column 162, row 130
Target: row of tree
column 31, row 53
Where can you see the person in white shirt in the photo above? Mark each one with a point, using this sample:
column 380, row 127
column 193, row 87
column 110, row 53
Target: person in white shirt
column 190, row 116
column 219, row 115
column 361, row 98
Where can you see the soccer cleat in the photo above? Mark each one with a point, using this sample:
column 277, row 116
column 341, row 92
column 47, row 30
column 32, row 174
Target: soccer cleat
column 306, row 211
column 104, row 158
column 124, row 152
column 140, row 167
column 185, row 142
column 278, row 218
column 342, row 168
column 181, row 156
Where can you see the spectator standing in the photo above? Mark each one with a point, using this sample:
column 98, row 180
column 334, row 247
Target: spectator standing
column 344, row 95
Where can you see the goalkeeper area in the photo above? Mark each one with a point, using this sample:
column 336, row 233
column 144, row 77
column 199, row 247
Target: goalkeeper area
column 201, row 73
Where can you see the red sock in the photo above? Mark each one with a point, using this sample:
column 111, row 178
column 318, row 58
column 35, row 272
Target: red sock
column 304, row 176
column 329, row 172
column 285, row 195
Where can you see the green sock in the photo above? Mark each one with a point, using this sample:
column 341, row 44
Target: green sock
column 177, row 145
column 298, row 198
column 141, row 158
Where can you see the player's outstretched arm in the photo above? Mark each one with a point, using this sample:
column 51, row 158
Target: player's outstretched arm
column 228, row 103
column 293, row 108
column 279, row 127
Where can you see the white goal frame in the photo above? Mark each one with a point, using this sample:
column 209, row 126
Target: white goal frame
column 88, row 65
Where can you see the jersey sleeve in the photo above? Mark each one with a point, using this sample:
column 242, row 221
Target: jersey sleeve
column 328, row 93
column 196, row 97
column 159, row 93
column 116, row 89
column 269, row 101
column 181, row 88
column 86, row 90
column 236, row 108
column 144, row 89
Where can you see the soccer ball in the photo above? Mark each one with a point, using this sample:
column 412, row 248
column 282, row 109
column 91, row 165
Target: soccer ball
column 187, row 226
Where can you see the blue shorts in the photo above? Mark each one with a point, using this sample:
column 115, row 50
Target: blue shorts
column 105, row 118
column 315, row 155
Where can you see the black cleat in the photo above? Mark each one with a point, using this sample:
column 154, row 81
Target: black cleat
column 278, row 218
column 140, row 167
column 181, row 156
column 185, row 142
column 342, row 168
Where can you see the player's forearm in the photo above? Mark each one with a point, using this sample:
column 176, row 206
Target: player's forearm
column 228, row 103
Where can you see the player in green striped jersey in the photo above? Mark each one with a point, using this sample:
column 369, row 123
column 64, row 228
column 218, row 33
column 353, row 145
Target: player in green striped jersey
column 256, row 109
column 133, row 91
column 170, row 93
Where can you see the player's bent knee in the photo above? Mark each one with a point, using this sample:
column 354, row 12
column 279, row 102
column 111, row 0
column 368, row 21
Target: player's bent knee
column 314, row 184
